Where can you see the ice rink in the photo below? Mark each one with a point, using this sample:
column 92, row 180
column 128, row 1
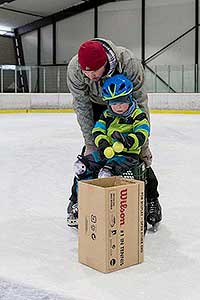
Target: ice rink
column 38, row 252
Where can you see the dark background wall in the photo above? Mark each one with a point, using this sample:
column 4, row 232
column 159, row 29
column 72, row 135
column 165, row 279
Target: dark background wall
column 7, row 53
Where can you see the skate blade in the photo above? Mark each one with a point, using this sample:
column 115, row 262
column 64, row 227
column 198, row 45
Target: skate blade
column 154, row 228
column 73, row 226
column 72, row 223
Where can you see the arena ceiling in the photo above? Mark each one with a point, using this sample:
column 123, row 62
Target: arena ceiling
column 17, row 13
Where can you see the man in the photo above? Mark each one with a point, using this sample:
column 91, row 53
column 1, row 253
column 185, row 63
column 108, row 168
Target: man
column 97, row 60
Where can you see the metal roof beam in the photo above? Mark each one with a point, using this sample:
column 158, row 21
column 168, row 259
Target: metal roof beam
column 21, row 12
column 66, row 13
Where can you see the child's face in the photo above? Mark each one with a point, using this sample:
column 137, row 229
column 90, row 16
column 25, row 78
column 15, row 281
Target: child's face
column 120, row 108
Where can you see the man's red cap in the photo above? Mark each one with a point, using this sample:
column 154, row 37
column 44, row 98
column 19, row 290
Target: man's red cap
column 91, row 55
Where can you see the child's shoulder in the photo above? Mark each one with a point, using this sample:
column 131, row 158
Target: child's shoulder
column 106, row 113
column 137, row 111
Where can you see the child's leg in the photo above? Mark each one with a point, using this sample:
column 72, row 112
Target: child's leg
column 86, row 167
column 121, row 163
column 118, row 164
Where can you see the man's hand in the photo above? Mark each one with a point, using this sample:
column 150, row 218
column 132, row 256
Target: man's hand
column 89, row 149
column 146, row 155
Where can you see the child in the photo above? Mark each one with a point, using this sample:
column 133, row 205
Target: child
column 122, row 129
column 119, row 134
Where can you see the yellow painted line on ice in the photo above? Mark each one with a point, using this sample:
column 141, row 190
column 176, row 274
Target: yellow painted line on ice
column 16, row 111
column 66, row 110
column 171, row 111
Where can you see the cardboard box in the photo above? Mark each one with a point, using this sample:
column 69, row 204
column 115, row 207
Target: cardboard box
column 111, row 223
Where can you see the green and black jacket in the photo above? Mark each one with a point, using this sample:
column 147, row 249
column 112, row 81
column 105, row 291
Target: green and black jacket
column 136, row 125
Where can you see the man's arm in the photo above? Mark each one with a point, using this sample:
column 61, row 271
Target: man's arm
column 81, row 101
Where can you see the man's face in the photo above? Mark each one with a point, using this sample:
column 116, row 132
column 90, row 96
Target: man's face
column 95, row 75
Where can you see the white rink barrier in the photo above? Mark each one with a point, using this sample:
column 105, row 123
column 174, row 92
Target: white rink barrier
column 157, row 101
column 175, row 101
column 12, row 101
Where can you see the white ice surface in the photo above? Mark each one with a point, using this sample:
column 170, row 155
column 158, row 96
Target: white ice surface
column 38, row 252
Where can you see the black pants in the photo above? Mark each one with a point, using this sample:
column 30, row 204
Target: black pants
column 152, row 185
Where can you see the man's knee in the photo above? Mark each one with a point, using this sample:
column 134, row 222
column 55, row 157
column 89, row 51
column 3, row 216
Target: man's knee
column 146, row 155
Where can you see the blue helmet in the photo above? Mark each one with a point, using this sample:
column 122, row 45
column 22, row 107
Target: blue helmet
column 117, row 89
column 116, row 86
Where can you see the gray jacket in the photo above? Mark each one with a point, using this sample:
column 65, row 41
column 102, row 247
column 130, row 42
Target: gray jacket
column 86, row 91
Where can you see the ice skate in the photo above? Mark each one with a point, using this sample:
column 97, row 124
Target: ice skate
column 105, row 172
column 154, row 214
column 72, row 215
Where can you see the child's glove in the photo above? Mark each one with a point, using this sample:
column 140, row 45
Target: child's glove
column 105, row 150
column 127, row 141
column 109, row 152
column 118, row 147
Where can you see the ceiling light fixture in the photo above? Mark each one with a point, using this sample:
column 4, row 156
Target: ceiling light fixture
column 5, row 28
column 4, row 2
column 2, row 32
